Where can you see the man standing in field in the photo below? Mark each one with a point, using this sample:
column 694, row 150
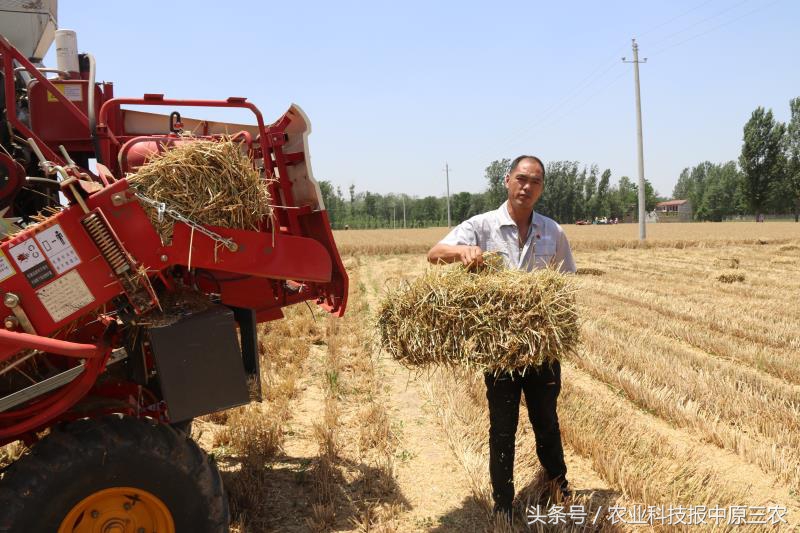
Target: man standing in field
column 526, row 240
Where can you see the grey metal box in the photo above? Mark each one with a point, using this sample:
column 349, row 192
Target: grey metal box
column 199, row 364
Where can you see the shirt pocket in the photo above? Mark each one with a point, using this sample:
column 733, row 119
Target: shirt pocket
column 544, row 252
column 493, row 242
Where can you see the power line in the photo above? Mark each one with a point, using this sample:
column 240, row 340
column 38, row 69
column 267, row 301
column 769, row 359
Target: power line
column 546, row 114
column 715, row 28
column 591, row 79
column 676, row 17
column 545, row 118
column 698, row 22
column 588, row 99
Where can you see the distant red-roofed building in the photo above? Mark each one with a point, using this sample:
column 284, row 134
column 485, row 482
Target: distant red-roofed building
column 674, row 211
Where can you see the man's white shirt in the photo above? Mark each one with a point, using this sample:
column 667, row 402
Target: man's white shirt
column 495, row 231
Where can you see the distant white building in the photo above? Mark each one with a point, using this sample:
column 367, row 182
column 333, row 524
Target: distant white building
column 674, row 211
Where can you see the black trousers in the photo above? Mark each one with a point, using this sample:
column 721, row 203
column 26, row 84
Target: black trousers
column 541, row 386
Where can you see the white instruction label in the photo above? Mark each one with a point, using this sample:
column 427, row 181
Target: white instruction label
column 30, row 260
column 58, row 249
column 65, row 296
column 73, row 93
column 6, row 270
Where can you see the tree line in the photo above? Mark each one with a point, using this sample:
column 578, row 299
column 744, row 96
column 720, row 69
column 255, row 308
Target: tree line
column 571, row 193
column 765, row 179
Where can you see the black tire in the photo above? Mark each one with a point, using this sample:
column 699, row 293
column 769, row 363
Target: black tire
column 81, row 458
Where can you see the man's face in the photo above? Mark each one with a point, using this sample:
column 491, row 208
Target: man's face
column 525, row 184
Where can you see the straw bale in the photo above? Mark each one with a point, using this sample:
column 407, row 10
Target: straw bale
column 493, row 320
column 726, row 262
column 590, row 271
column 209, row 182
column 730, row 276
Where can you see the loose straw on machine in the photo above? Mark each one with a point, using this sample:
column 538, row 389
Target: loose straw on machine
column 209, row 182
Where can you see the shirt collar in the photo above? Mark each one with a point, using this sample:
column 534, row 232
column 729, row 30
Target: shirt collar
column 506, row 220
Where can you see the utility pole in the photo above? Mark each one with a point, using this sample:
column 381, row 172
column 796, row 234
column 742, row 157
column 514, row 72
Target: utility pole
column 447, row 174
column 642, row 231
column 403, row 198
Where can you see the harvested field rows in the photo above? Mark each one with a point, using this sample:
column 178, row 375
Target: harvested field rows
column 689, row 399
column 418, row 241
column 684, row 392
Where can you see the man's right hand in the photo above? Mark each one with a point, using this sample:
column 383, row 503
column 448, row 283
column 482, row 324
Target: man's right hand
column 448, row 253
column 471, row 256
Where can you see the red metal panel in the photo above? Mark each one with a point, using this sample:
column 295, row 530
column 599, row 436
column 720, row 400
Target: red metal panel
column 28, row 284
column 296, row 258
column 53, row 122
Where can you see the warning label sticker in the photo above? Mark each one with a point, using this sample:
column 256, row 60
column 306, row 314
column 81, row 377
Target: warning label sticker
column 58, row 249
column 6, row 270
column 73, row 92
column 31, row 261
column 65, row 296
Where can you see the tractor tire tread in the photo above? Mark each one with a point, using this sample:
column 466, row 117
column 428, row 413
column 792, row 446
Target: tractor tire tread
column 69, row 444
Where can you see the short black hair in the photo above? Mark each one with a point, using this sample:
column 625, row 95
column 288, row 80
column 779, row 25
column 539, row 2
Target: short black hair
column 517, row 160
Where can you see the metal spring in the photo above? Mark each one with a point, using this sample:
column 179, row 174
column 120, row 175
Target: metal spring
column 95, row 224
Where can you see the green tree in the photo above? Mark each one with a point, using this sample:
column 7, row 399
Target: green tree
column 371, row 204
column 459, row 207
column 601, row 198
column 589, row 193
column 328, row 199
column 650, row 197
column 793, row 157
column 479, row 203
column 561, row 194
column 328, row 195
column 581, row 209
column 352, row 190
column 762, row 158
column 426, row 211
column 684, row 188
column 722, row 183
column 692, row 186
column 714, row 190
column 628, row 196
column 495, row 175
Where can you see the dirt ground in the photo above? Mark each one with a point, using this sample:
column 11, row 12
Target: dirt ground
column 630, row 439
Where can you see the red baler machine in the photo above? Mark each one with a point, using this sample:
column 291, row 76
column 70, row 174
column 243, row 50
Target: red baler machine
column 77, row 284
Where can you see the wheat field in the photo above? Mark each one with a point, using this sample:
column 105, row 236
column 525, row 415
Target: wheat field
column 677, row 235
column 681, row 406
column 685, row 390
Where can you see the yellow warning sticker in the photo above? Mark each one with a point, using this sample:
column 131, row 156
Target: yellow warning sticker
column 73, row 92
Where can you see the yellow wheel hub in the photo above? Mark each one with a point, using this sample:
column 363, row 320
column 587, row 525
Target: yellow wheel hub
column 119, row 510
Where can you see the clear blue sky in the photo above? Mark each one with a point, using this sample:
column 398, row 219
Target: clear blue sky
column 394, row 91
